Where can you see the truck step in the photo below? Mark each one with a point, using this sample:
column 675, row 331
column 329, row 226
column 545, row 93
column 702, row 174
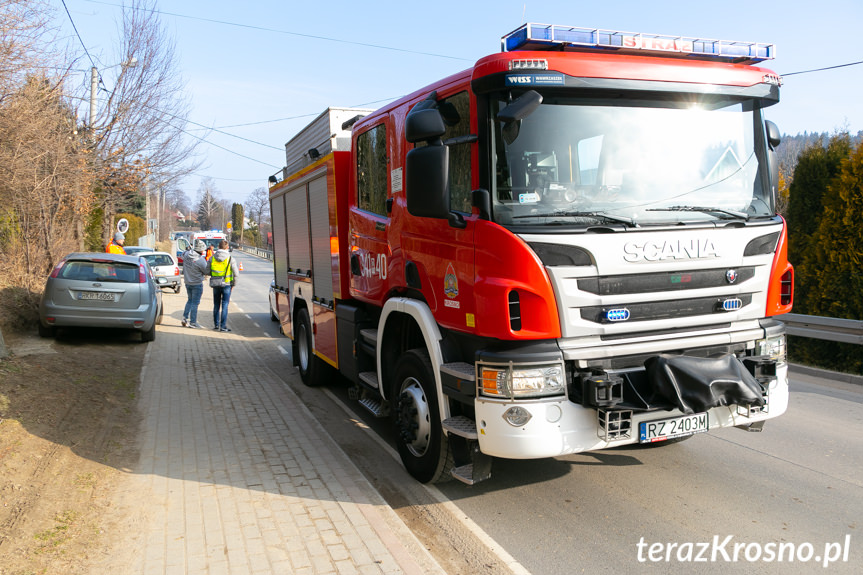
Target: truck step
column 370, row 378
column 370, row 336
column 461, row 426
column 465, row 474
column 377, row 407
column 460, row 370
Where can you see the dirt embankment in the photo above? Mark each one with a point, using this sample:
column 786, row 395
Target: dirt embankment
column 68, row 429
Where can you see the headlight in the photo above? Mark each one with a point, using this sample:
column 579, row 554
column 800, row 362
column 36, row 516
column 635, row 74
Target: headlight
column 509, row 382
column 773, row 347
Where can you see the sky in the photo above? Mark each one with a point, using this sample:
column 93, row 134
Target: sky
column 261, row 70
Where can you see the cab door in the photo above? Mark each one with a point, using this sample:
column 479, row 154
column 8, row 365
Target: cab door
column 439, row 257
column 370, row 258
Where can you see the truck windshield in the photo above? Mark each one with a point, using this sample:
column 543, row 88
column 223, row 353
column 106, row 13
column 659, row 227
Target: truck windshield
column 580, row 162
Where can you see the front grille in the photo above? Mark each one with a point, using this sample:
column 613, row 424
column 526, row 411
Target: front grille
column 651, row 311
column 665, row 281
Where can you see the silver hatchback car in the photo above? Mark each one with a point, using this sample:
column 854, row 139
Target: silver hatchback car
column 102, row 290
column 164, row 266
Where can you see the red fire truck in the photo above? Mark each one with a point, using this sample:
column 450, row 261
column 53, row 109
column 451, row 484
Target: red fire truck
column 570, row 246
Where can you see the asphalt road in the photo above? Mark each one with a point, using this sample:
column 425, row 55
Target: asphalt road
column 727, row 501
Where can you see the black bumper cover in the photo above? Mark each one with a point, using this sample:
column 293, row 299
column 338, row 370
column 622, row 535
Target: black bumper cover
column 696, row 384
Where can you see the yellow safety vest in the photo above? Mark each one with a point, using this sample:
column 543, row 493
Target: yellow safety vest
column 222, row 269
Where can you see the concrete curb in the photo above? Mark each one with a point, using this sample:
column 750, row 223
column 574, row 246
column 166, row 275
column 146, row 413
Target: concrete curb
column 826, row 374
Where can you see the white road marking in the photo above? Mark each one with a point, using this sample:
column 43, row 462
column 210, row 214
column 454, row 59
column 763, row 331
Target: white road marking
column 283, row 350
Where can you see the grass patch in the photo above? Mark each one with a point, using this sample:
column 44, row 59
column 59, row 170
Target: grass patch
column 56, row 536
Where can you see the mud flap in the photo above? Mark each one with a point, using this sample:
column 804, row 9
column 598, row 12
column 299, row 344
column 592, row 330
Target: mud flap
column 696, row 384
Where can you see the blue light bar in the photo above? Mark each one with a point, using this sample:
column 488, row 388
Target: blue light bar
column 533, row 36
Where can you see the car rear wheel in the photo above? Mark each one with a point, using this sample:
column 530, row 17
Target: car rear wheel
column 150, row 334
column 47, row 330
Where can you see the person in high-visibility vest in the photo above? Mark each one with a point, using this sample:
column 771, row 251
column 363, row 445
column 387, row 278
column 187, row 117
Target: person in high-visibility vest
column 223, row 277
column 115, row 246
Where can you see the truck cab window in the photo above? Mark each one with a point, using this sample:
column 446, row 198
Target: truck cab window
column 458, row 124
column 372, row 170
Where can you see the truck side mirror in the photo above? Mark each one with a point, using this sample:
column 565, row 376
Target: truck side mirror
column 424, row 125
column 426, row 181
column 773, row 136
column 773, row 141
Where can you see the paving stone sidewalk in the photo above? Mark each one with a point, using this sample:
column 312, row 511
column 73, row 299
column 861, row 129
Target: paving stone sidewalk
column 237, row 477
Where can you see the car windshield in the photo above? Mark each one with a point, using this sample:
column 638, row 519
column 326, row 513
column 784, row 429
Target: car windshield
column 159, row 260
column 100, row 271
column 212, row 242
column 579, row 162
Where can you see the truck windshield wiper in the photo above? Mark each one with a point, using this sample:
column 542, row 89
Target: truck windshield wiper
column 728, row 214
column 575, row 214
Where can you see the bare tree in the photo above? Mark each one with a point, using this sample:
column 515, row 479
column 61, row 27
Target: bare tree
column 209, row 206
column 44, row 173
column 258, row 204
column 22, row 30
column 137, row 132
column 45, row 182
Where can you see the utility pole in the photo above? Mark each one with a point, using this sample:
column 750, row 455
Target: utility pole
column 94, row 87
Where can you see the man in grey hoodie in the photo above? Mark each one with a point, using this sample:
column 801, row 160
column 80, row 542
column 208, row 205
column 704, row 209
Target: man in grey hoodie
column 194, row 269
column 223, row 276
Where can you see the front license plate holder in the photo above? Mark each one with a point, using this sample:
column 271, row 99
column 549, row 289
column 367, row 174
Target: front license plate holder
column 671, row 428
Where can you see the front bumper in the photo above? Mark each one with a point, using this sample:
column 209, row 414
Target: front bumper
column 559, row 427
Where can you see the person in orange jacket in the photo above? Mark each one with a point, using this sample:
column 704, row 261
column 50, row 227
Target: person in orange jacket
column 115, row 246
column 209, row 253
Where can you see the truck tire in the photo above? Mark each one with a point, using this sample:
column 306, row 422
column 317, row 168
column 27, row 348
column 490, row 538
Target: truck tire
column 311, row 370
column 423, row 447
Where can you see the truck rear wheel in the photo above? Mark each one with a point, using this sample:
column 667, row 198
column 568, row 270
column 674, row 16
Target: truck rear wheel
column 421, row 443
column 311, row 370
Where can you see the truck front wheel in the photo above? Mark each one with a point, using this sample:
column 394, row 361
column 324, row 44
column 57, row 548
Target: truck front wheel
column 421, row 443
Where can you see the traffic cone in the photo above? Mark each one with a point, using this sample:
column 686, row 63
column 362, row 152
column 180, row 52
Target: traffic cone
column 241, row 266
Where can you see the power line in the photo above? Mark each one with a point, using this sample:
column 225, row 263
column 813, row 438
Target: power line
column 822, row 69
column 286, row 32
column 75, row 28
column 303, row 115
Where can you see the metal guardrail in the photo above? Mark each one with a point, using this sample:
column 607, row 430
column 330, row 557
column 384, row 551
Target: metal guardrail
column 826, row 328
column 261, row 253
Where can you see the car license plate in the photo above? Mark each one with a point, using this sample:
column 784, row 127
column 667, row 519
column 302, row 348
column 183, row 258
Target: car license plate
column 663, row 429
column 96, row 295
